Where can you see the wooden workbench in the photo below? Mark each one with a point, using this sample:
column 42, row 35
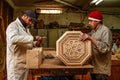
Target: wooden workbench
column 54, row 67
column 115, row 70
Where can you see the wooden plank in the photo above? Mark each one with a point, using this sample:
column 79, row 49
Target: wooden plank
column 2, row 30
column 2, row 53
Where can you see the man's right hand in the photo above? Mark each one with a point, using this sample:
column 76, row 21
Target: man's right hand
column 38, row 38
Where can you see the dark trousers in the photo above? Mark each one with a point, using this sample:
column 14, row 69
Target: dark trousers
column 99, row 77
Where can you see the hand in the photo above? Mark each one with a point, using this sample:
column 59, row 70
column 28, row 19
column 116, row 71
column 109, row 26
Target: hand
column 84, row 37
column 39, row 44
column 38, row 38
column 44, row 38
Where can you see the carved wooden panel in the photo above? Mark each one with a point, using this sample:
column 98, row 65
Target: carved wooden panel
column 70, row 50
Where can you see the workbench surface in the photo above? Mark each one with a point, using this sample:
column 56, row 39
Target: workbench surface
column 56, row 67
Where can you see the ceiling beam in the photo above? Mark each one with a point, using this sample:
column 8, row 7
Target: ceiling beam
column 11, row 4
column 70, row 5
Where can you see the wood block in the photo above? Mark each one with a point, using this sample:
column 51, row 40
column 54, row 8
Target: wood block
column 34, row 57
column 70, row 50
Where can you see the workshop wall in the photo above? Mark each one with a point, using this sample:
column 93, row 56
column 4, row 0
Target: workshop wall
column 112, row 21
column 6, row 16
column 64, row 20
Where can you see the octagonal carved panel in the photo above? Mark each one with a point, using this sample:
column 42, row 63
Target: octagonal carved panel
column 70, row 50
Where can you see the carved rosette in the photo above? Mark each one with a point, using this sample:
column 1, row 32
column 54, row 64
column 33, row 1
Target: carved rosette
column 70, row 50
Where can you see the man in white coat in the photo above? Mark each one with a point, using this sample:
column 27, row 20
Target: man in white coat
column 19, row 40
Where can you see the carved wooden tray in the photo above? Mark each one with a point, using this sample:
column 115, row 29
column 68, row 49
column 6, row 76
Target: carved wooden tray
column 70, row 50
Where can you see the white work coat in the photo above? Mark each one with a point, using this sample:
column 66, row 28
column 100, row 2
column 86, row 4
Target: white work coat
column 19, row 40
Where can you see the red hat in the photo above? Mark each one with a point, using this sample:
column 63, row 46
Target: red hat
column 95, row 15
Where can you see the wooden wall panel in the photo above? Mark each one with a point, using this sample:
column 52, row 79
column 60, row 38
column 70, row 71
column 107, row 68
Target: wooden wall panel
column 6, row 16
column 1, row 7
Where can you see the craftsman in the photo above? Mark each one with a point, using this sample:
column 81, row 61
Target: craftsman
column 101, row 39
column 19, row 40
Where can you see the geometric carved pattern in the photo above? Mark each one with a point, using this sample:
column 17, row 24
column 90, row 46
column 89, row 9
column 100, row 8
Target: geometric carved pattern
column 70, row 50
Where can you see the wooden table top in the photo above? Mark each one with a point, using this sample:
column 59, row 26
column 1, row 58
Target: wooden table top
column 57, row 64
column 56, row 67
